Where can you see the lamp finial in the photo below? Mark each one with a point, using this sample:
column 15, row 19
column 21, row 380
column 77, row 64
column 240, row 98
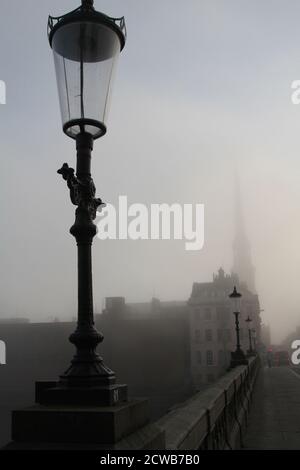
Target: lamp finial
column 87, row 4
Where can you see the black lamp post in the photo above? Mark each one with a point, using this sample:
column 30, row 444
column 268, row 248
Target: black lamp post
column 254, row 340
column 85, row 409
column 250, row 351
column 86, row 45
column 238, row 356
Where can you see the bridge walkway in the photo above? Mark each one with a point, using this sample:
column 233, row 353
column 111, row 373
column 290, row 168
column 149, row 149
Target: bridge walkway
column 274, row 421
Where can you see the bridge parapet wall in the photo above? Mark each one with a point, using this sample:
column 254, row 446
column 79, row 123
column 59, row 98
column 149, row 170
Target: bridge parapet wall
column 215, row 418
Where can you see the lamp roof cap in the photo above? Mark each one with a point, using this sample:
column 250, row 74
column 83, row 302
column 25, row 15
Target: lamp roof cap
column 87, row 12
column 235, row 294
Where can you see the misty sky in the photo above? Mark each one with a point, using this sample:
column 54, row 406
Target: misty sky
column 202, row 89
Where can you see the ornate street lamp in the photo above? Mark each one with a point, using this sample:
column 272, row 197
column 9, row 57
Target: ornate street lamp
column 254, row 340
column 238, row 356
column 79, row 409
column 86, row 45
column 250, row 351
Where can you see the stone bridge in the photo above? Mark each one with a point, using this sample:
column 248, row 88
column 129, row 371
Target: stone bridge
column 250, row 407
column 216, row 418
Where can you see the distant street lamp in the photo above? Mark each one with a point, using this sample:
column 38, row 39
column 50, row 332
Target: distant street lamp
column 250, row 351
column 86, row 45
column 254, row 339
column 238, row 356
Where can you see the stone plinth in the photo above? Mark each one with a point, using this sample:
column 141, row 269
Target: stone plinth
column 53, row 393
column 59, row 421
column 90, row 425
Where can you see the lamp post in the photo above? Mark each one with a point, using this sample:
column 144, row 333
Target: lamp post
column 238, row 356
column 254, row 339
column 86, row 45
column 85, row 409
column 250, row 351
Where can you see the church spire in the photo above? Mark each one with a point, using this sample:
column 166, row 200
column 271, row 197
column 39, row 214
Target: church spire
column 242, row 261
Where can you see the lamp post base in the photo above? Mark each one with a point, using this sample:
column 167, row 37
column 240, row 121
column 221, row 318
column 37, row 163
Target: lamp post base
column 124, row 426
column 238, row 358
column 90, row 418
column 149, row 437
column 55, row 393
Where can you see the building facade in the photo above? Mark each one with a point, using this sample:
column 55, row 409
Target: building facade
column 212, row 326
column 266, row 335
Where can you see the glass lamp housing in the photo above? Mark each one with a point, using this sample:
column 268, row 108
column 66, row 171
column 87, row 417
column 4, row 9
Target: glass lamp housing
column 86, row 46
column 235, row 298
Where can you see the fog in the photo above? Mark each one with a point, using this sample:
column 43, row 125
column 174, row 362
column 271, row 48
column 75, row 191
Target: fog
column 202, row 96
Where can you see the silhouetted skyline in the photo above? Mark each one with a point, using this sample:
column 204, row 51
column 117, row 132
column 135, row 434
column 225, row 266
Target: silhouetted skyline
column 202, row 88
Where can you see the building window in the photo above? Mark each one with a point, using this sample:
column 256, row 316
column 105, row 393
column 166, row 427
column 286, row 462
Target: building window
column 207, row 314
column 197, row 336
column 219, row 314
column 220, row 335
column 209, row 358
column 197, row 314
column 199, row 358
column 208, row 335
column 221, row 358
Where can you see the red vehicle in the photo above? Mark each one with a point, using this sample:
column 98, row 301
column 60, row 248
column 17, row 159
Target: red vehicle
column 281, row 358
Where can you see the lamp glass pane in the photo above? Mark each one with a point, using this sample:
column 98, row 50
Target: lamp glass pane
column 85, row 56
column 236, row 304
